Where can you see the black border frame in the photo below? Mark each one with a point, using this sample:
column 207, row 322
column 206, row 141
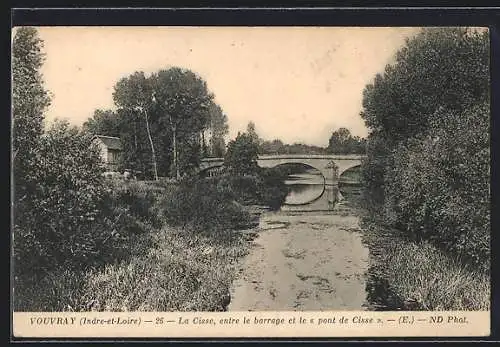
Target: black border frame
column 247, row 15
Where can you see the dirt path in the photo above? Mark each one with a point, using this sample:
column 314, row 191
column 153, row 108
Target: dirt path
column 308, row 261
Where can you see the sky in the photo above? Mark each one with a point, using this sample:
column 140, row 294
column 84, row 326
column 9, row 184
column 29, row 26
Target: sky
column 298, row 84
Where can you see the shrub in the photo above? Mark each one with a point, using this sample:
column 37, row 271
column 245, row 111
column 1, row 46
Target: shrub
column 438, row 188
column 265, row 187
column 70, row 216
column 273, row 190
column 373, row 169
column 137, row 200
column 200, row 205
column 244, row 189
column 241, row 155
column 55, row 219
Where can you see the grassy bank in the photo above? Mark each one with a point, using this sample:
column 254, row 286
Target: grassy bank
column 182, row 271
column 421, row 276
column 180, row 244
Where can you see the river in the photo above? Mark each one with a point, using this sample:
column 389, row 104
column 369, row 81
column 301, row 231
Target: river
column 304, row 260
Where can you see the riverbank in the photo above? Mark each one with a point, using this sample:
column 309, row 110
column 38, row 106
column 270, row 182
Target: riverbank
column 181, row 271
column 183, row 241
column 408, row 275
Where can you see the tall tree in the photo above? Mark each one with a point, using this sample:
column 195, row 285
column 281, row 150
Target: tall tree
column 242, row 154
column 135, row 93
column 427, row 166
column 29, row 101
column 167, row 112
column 184, row 102
column 58, row 184
column 103, row 122
column 252, row 132
column 136, row 148
column 440, row 68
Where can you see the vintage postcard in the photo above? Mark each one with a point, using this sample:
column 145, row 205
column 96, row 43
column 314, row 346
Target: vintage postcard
column 250, row 181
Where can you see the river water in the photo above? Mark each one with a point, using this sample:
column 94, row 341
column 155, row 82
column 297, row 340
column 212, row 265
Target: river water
column 304, row 187
column 304, row 260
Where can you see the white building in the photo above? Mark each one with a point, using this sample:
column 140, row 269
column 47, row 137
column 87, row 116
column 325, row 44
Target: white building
column 111, row 148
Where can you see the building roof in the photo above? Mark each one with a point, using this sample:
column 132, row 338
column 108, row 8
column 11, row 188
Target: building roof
column 110, row 141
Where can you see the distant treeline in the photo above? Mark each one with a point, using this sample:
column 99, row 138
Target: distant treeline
column 341, row 142
column 278, row 147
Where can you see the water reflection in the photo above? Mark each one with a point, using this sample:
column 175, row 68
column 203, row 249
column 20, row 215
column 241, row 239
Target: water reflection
column 304, row 187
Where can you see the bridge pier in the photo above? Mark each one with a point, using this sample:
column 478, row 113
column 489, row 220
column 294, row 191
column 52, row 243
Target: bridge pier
column 336, row 196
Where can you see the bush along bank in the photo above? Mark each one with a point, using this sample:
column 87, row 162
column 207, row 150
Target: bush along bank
column 177, row 250
column 265, row 187
column 174, row 248
column 426, row 176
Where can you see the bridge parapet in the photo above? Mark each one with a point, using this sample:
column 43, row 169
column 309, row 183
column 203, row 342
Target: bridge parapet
column 312, row 156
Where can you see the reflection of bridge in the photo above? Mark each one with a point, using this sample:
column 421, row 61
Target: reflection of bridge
column 331, row 166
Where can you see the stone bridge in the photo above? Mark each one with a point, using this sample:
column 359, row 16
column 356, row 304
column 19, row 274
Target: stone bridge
column 331, row 166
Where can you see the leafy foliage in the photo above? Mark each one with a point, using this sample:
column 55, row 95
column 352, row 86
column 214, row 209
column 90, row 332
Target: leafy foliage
column 217, row 130
column 29, row 101
column 183, row 102
column 439, row 68
column 427, row 170
column 440, row 184
column 65, row 214
column 62, row 201
column 242, row 154
column 199, row 205
column 342, row 142
column 245, row 180
column 103, row 122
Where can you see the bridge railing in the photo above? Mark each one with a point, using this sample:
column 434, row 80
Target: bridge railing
column 296, row 156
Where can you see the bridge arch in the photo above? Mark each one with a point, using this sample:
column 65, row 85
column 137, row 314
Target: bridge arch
column 348, row 170
column 315, row 197
column 300, row 162
column 324, row 164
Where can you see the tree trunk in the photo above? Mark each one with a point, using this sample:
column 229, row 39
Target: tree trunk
column 135, row 136
column 176, row 159
column 152, row 146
